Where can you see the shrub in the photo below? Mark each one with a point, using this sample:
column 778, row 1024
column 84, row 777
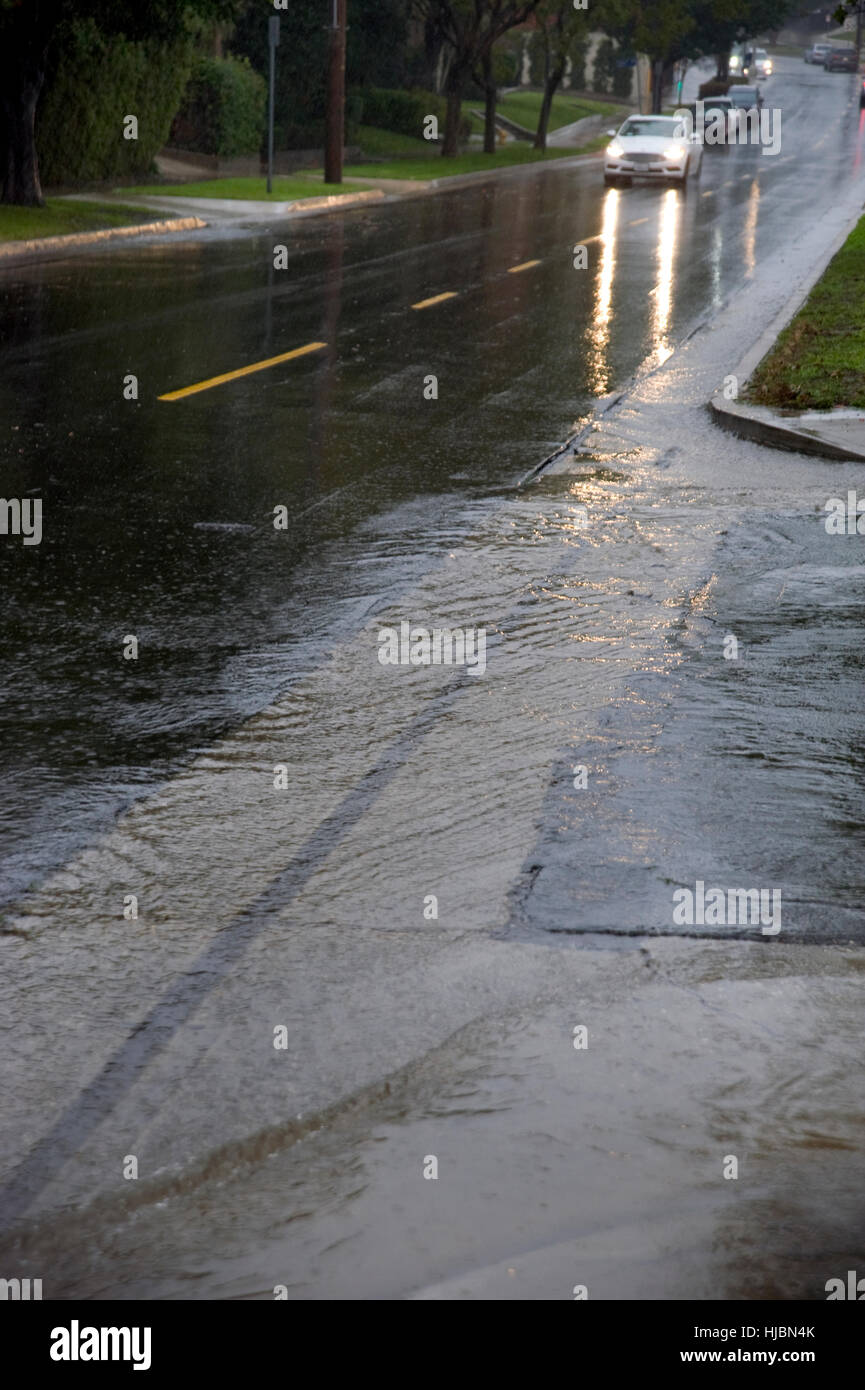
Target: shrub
column 79, row 121
column 405, row 112
column 719, row 87
column 715, row 88
column 223, row 110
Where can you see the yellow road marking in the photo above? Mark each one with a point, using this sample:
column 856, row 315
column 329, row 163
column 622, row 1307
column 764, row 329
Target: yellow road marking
column 709, row 193
column 241, row 371
column 436, row 299
column 526, row 265
column 638, row 221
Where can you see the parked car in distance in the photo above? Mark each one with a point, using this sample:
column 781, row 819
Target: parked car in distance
column 817, row 52
column 745, row 98
column 714, row 104
column 652, row 147
column 841, row 60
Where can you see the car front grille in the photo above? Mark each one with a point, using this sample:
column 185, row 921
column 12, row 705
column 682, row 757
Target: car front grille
column 639, row 158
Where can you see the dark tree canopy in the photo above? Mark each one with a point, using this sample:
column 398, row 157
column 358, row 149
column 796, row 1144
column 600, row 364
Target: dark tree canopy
column 28, row 31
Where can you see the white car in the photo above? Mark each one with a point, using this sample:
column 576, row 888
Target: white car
column 817, row 53
column 757, row 64
column 652, row 147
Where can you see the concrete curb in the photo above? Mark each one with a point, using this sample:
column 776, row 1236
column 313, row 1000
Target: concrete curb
column 764, row 426
column 258, row 209
column 770, row 427
column 32, row 249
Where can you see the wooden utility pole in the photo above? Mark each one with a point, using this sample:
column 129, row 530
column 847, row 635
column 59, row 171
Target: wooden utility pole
column 335, row 133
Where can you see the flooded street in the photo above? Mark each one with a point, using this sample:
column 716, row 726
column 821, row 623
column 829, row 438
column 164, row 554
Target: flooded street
column 452, row 871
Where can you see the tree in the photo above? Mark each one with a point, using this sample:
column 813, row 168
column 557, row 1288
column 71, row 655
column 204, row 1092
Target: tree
column 492, row 75
column 660, row 30
column 471, row 28
column 719, row 23
column 561, row 28
column 29, row 30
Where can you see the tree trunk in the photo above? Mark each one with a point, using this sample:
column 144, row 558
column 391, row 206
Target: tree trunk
column 550, row 88
column 455, row 85
column 19, row 165
column 657, row 86
column 723, row 67
column 489, row 103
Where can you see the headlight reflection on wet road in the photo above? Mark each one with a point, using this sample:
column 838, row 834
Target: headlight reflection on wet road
column 663, row 289
column 599, row 331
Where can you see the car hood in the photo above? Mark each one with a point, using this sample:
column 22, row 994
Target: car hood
column 648, row 144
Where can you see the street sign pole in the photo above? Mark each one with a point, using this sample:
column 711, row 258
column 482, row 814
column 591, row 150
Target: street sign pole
column 273, row 40
column 335, row 134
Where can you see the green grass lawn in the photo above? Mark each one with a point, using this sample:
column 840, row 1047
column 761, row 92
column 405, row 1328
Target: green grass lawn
column 438, row 168
column 60, row 217
column 284, row 189
column 525, row 107
column 414, row 160
column 390, row 144
column 819, row 360
column 786, row 50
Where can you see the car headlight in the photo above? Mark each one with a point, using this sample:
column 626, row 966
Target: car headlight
column 734, row 61
column 675, row 152
column 615, row 150
column 768, row 68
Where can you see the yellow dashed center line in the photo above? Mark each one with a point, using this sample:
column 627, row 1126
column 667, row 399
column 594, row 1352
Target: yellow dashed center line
column 709, row 193
column 638, row 221
column 526, row 265
column 436, row 299
column 242, row 371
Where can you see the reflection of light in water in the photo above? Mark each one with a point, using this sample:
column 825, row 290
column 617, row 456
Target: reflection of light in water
column 663, row 290
column 750, row 231
column 599, row 333
column 715, row 264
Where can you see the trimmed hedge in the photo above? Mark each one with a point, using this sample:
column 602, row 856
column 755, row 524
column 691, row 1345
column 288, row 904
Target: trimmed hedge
column 94, row 83
column 405, row 112
column 718, row 87
column 224, row 109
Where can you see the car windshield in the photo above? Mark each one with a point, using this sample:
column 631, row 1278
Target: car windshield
column 659, row 127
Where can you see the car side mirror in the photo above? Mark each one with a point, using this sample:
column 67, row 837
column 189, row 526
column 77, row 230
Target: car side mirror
column 611, row 132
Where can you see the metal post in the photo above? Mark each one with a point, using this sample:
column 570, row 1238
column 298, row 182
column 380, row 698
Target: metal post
column 335, row 134
column 273, row 40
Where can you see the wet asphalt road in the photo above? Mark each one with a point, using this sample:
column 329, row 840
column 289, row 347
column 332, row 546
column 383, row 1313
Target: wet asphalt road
column 305, row 908
column 159, row 515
